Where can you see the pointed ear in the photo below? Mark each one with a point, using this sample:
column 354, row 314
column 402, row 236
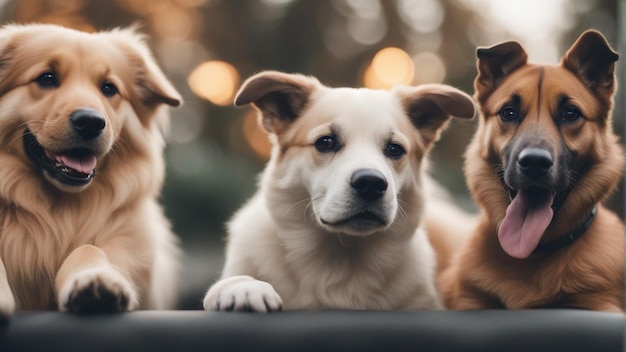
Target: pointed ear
column 149, row 82
column 430, row 106
column 494, row 64
column 593, row 61
column 279, row 97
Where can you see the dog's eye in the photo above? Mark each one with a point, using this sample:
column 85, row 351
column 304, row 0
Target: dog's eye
column 394, row 151
column 509, row 114
column 570, row 114
column 47, row 80
column 108, row 89
column 326, row 144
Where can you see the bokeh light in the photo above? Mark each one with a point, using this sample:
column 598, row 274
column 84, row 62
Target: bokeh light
column 429, row 68
column 255, row 136
column 422, row 16
column 174, row 21
column 215, row 81
column 390, row 66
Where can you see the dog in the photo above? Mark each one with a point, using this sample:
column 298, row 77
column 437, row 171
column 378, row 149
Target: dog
column 82, row 117
column 543, row 159
column 335, row 223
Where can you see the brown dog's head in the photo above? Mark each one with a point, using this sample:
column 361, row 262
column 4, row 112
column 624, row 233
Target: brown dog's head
column 68, row 98
column 544, row 153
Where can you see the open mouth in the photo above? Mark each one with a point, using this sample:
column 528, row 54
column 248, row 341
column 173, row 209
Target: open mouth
column 527, row 217
column 366, row 220
column 72, row 167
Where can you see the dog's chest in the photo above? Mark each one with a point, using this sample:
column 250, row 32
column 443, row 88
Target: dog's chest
column 343, row 280
column 32, row 250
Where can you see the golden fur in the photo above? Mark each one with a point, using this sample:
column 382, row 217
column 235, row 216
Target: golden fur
column 565, row 111
column 311, row 238
column 103, row 244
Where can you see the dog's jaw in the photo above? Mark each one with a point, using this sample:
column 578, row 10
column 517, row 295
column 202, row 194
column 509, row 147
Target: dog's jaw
column 56, row 167
column 359, row 224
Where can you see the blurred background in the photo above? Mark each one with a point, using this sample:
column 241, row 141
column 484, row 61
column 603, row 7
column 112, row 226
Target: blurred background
column 208, row 47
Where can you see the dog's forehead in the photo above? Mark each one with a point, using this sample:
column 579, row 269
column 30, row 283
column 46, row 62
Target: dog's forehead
column 65, row 47
column 545, row 84
column 358, row 107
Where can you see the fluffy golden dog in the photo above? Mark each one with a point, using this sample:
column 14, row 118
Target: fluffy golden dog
column 81, row 167
column 337, row 221
column 543, row 159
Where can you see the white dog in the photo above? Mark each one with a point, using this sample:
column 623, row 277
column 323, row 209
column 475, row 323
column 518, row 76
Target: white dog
column 336, row 221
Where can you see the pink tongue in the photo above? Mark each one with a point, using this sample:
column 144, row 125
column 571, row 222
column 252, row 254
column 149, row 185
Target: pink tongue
column 526, row 219
column 85, row 164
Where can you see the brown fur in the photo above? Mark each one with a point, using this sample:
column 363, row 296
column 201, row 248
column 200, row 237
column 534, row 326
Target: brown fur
column 107, row 241
column 587, row 273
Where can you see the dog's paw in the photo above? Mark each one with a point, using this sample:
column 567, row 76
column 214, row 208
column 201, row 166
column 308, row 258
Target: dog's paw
column 242, row 293
column 98, row 291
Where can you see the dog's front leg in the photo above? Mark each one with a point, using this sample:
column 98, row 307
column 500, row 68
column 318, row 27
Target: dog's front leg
column 7, row 301
column 87, row 282
column 242, row 293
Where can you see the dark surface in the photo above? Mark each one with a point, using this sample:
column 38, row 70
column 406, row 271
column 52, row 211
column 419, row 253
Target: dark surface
column 538, row 330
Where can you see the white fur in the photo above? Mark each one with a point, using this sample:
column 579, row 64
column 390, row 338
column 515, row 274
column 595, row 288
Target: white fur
column 281, row 254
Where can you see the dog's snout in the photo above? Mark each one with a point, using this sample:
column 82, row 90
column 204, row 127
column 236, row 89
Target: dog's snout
column 535, row 162
column 88, row 123
column 369, row 184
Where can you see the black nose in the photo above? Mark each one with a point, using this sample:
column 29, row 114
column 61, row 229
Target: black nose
column 535, row 162
column 369, row 184
column 88, row 123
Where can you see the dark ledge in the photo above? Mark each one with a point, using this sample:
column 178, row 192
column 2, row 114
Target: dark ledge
column 490, row 330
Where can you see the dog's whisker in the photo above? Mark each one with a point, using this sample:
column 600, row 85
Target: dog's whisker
column 296, row 204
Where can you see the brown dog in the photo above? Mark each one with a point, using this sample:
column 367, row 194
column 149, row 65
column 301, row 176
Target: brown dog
column 543, row 159
column 81, row 169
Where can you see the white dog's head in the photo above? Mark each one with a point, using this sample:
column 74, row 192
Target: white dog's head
column 349, row 157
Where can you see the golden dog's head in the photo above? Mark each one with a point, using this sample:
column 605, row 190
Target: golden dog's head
column 344, row 159
column 544, row 153
column 68, row 98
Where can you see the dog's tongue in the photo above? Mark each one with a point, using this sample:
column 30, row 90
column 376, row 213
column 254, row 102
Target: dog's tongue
column 526, row 219
column 84, row 163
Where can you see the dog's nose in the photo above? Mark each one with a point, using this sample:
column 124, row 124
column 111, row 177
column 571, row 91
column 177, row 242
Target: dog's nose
column 88, row 123
column 535, row 162
column 369, row 184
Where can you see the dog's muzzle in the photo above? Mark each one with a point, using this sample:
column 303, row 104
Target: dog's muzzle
column 76, row 165
column 532, row 197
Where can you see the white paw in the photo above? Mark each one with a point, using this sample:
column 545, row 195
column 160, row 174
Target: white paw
column 242, row 293
column 97, row 291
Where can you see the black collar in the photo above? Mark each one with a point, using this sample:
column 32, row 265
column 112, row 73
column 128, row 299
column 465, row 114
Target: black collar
column 568, row 238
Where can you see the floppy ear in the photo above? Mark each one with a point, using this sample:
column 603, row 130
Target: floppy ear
column 7, row 75
column 494, row 64
column 593, row 61
column 430, row 106
column 279, row 97
column 150, row 84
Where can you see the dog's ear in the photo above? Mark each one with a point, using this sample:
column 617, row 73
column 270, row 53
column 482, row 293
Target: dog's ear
column 593, row 61
column 279, row 97
column 495, row 63
column 430, row 106
column 150, row 85
column 7, row 44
